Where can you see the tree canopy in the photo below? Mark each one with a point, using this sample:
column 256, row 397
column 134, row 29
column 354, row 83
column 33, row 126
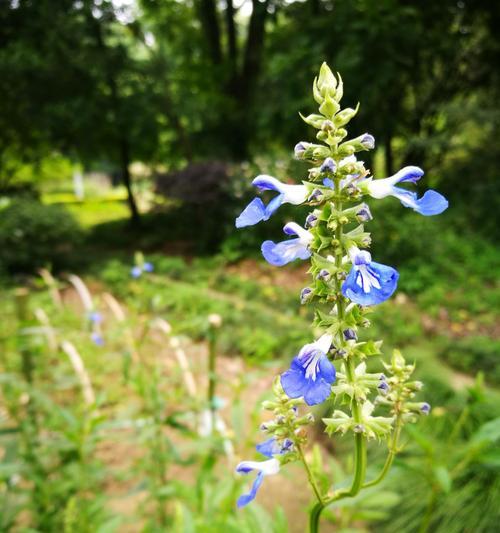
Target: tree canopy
column 168, row 82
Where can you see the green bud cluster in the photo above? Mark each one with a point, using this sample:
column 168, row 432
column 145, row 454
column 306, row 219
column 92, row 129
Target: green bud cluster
column 402, row 390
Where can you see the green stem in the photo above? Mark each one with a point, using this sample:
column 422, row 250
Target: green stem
column 393, row 450
column 359, row 441
column 314, row 517
column 424, row 526
column 310, row 475
column 356, row 486
column 212, row 377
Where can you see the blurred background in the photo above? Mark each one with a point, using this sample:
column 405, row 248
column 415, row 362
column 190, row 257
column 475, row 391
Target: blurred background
column 130, row 131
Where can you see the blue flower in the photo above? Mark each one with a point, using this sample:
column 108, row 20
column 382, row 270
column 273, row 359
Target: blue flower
column 311, row 374
column 286, row 251
column 95, row 317
column 256, row 211
column 270, row 448
column 431, row 203
column 368, row 283
column 97, row 338
column 136, row 272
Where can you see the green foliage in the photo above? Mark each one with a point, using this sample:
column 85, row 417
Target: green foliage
column 188, row 292
column 33, row 235
column 474, row 354
column 448, row 481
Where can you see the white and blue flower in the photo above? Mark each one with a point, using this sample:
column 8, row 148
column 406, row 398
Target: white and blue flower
column 284, row 252
column 368, row 283
column 270, row 448
column 311, row 373
column 256, row 211
column 431, row 203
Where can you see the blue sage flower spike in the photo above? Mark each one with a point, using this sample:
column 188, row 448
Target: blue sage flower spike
column 256, row 211
column 431, row 203
column 286, row 251
column 311, row 374
column 270, row 448
column 368, row 283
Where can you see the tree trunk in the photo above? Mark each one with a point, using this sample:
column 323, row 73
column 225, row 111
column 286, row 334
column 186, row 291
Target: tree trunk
column 122, row 141
column 254, row 48
column 315, row 7
column 210, row 23
column 125, row 172
column 231, row 37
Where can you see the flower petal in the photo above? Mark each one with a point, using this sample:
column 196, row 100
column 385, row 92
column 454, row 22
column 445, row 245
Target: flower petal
column 314, row 387
column 293, row 380
column 269, row 447
column 318, row 392
column 245, row 499
column 371, row 286
column 267, row 183
column 253, row 213
column 284, row 252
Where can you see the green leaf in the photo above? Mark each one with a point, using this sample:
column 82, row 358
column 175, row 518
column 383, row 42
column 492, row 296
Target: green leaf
column 443, row 478
column 487, row 433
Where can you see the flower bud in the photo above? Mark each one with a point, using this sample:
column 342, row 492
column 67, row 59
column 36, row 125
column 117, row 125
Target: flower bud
column 359, row 428
column 425, row 408
column 350, row 335
column 300, row 149
column 326, row 82
column 367, row 141
column 314, row 173
column 422, row 408
column 364, row 214
column 311, row 220
column 383, row 387
column 305, row 294
column 414, row 385
column 316, row 196
column 323, row 275
column 328, row 166
column 327, row 125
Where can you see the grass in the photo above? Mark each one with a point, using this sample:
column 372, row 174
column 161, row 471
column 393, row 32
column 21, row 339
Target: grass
column 98, row 207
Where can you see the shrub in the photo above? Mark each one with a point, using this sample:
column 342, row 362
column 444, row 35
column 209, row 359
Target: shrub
column 33, row 235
